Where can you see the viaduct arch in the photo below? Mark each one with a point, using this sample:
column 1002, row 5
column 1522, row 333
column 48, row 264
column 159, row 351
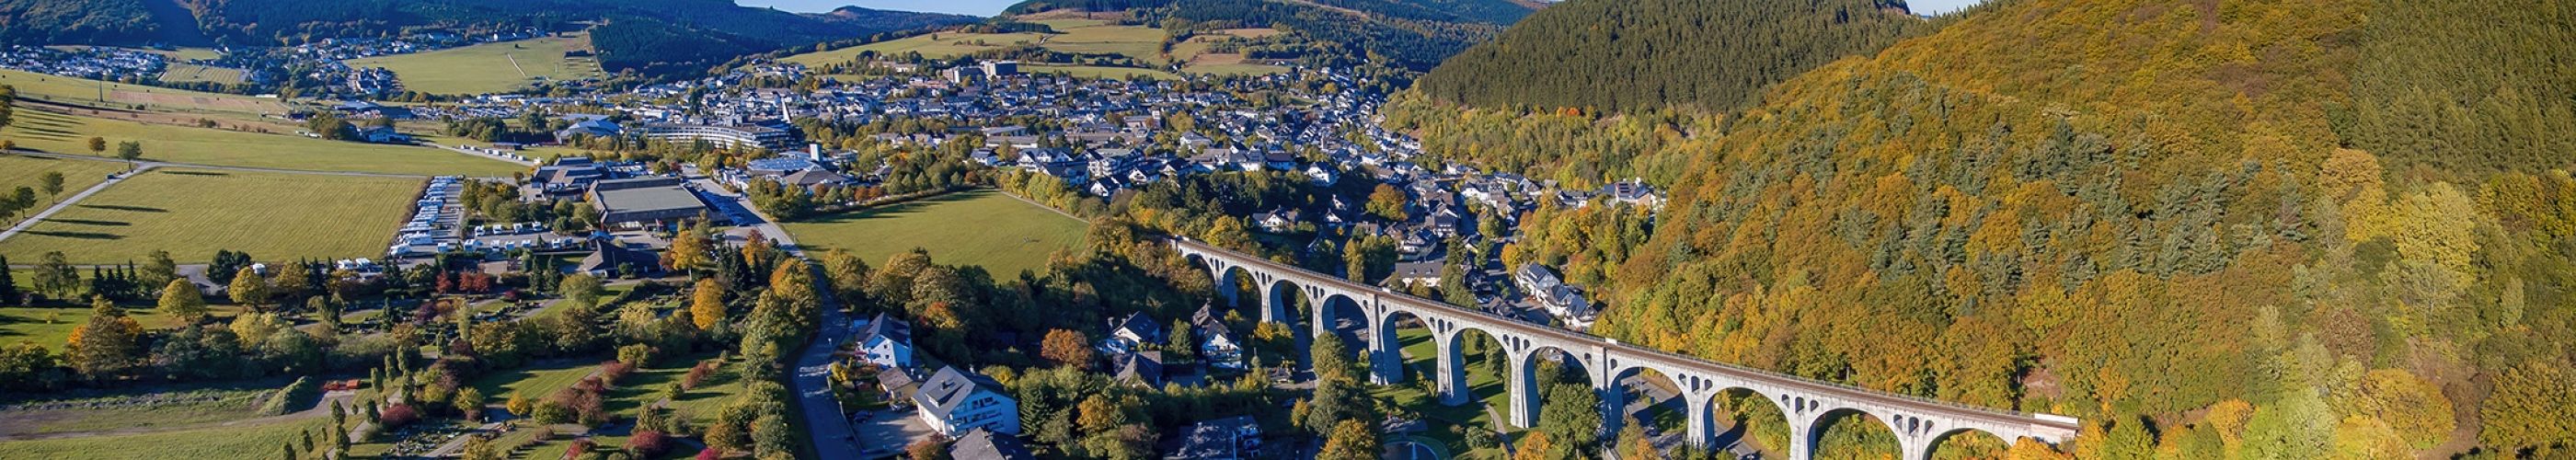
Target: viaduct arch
column 1919, row 423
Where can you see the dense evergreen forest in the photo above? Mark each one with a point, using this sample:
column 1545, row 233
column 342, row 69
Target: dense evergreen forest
column 1635, row 54
column 2254, row 229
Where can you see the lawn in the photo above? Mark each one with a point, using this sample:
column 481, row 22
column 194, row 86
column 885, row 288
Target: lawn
column 193, row 213
column 243, row 441
column 489, row 67
column 536, row 383
column 52, row 326
column 990, row 229
column 1414, row 394
column 69, row 134
column 23, row 171
column 86, row 92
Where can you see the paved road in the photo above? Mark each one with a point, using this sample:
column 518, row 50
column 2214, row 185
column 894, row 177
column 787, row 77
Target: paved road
column 31, row 221
column 825, row 425
column 738, row 206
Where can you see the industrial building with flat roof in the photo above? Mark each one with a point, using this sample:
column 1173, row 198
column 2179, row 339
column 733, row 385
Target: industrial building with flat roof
column 774, row 139
column 644, row 201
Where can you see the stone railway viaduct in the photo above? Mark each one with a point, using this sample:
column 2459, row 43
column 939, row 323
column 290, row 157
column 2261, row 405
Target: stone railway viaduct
column 1918, row 423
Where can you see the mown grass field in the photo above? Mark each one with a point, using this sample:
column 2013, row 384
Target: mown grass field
column 193, row 73
column 243, row 441
column 193, row 213
column 23, row 171
column 85, row 92
column 69, row 134
column 489, row 67
column 178, row 406
column 1074, row 35
column 990, row 229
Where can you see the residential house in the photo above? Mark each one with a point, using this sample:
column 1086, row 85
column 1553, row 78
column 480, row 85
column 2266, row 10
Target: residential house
column 981, row 444
column 1218, row 346
column 898, row 385
column 1128, row 333
column 1231, row 438
column 1280, row 220
column 1142, row 368
column 954, row 401
column 887, row 342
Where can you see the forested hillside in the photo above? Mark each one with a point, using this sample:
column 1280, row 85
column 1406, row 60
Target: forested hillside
column 1634, row 54
column 638, row 40
column 62, row 21
column 2254, row 229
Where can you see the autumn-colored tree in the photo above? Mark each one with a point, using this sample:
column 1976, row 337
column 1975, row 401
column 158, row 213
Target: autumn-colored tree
column 520, row 405
column 249, row 289
column 1067, row 348
column 706, row 303
column 2533, row 405
column 1388, row 202
column 691, row 249
column 107, row 347
column 1351, row 440
column 180, row 299
column 97, row 145
column 1534, row 446
column 469, row 401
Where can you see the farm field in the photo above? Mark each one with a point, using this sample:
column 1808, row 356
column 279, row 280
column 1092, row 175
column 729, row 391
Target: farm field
column 69, row 134
column 1075, row 35
column 1236, row 68
column 1085, row 71
column 489, row 67
column 169, row 406
column 990, row 229
column 193, row 213
column 935, row 45
column 241, row 441
column 193, row 72
column 75, row 91
column 23, row 171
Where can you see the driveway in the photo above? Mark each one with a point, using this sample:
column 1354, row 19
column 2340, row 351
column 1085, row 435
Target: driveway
column 886, row 432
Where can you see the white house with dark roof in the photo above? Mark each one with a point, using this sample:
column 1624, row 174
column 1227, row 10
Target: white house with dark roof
column 953, row 401
column 886, row 342
column 1217, row 343
column 1130, row 332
